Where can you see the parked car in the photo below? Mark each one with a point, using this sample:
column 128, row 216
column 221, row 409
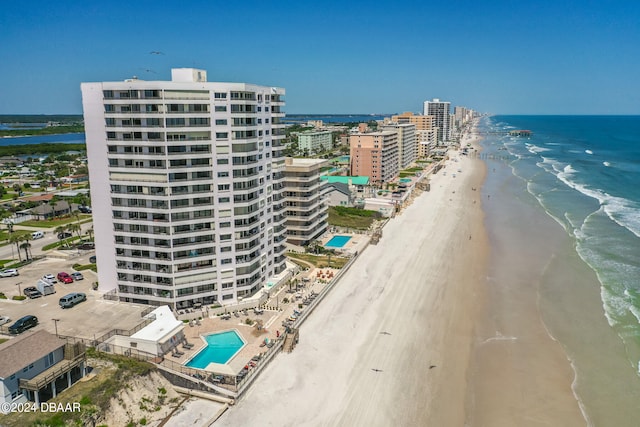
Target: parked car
column 87, row 246
column 32, row 292
column 92, row 259
column 76, row 275
column 50, row 278
column 37, row 235
column 84, row 209
column 64, row 235
column 23, row 324
column 4, row 320
column 72, row 299
column 9, row 273
column 65, row 277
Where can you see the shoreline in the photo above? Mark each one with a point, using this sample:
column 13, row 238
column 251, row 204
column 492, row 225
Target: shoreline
column 521, row 373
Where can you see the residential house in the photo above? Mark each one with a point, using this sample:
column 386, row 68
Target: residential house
column 37, row 365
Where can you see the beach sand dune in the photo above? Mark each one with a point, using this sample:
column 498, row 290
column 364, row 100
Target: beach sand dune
column 390, row 345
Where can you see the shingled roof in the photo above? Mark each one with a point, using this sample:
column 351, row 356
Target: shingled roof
column 26, row 349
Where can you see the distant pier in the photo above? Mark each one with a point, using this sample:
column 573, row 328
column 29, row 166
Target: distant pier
column 521, row 132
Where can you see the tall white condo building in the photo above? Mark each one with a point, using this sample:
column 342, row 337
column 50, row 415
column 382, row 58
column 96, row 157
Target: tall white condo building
column 441, row 112
column 186, row 187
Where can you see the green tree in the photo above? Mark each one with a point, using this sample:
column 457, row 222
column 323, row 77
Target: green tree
column 16, row 239
column 26, row 246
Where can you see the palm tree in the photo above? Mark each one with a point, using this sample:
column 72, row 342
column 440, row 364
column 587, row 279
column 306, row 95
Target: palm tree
column 75, row 228
column 90, row 233
column 16, row 238
column 26, row 246
column 61, row 230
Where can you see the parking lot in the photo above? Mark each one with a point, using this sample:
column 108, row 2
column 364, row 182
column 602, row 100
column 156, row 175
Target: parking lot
column 88, row 319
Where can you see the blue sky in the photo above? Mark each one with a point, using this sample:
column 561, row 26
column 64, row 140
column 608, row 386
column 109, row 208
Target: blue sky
column 503, row 57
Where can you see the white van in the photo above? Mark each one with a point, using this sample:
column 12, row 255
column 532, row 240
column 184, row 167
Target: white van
column 37, row 235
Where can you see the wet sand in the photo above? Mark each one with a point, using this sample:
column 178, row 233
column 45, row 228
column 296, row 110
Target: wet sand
column 520, row 374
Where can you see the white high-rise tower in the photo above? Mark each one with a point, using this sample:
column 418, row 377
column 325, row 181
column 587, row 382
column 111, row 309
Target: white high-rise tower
column 441, row 112
column 186, row 187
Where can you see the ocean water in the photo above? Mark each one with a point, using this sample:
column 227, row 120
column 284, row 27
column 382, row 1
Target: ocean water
column 584, row 172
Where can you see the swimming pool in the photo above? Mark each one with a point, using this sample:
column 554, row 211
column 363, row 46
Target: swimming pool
column 221, row 347
column 337, row 241
column 405, row 179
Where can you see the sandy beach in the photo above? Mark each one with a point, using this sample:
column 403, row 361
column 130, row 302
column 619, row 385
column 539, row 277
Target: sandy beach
column 390, row 345
column 422, row 330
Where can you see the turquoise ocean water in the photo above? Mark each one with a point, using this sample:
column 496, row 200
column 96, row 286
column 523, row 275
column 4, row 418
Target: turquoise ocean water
column 585, row 173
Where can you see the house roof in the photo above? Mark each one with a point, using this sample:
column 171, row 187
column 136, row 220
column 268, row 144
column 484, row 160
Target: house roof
column 340, row 187
column 165, row 324
column 26, row 349
column 353, row 180
column 40, row 198
column 46, row 208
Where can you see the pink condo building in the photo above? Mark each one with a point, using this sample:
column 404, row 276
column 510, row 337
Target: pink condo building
column 374, row 154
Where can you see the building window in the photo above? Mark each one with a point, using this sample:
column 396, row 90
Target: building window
column 221, row 122
column 220, row 108
column 221, row 161
column 224, row 187
column 229, row 296
column 226, row 261
column 223, row 199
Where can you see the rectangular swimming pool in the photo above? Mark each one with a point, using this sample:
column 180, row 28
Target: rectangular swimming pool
column 337, row 241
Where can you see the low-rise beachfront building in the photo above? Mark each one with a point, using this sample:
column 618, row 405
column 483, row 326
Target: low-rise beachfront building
column 37, row 365
column 338, row 194
column 357, row 184
column 187, row 186
column 306, row 211
column 159, row 337
column 407, row 151
column 375, row 154
column 313, row 142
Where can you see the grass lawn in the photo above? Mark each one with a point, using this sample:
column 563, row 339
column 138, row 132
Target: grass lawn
column 51, row 223
column 319, row 261
column 358, row 219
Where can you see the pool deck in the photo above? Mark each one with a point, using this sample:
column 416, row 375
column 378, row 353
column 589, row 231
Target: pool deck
column 271, row 320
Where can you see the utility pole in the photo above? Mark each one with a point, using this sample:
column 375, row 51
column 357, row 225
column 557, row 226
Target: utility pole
column 56, row 323
column 18, row 285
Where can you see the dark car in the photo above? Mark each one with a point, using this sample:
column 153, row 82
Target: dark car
column 92, row 259
column 32, row 292
column 64, row 235
column 84, row 209
column 23, row 324
column 87, row 246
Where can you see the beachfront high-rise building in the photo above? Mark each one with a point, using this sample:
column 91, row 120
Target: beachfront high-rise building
column 187, row 182
column 440, row 110
column 374, row 154
column 406, row 142
column 307, row 213
column 313, row 142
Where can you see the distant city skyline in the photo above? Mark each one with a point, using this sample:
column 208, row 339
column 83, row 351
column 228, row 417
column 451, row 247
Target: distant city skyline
column 334, row 58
